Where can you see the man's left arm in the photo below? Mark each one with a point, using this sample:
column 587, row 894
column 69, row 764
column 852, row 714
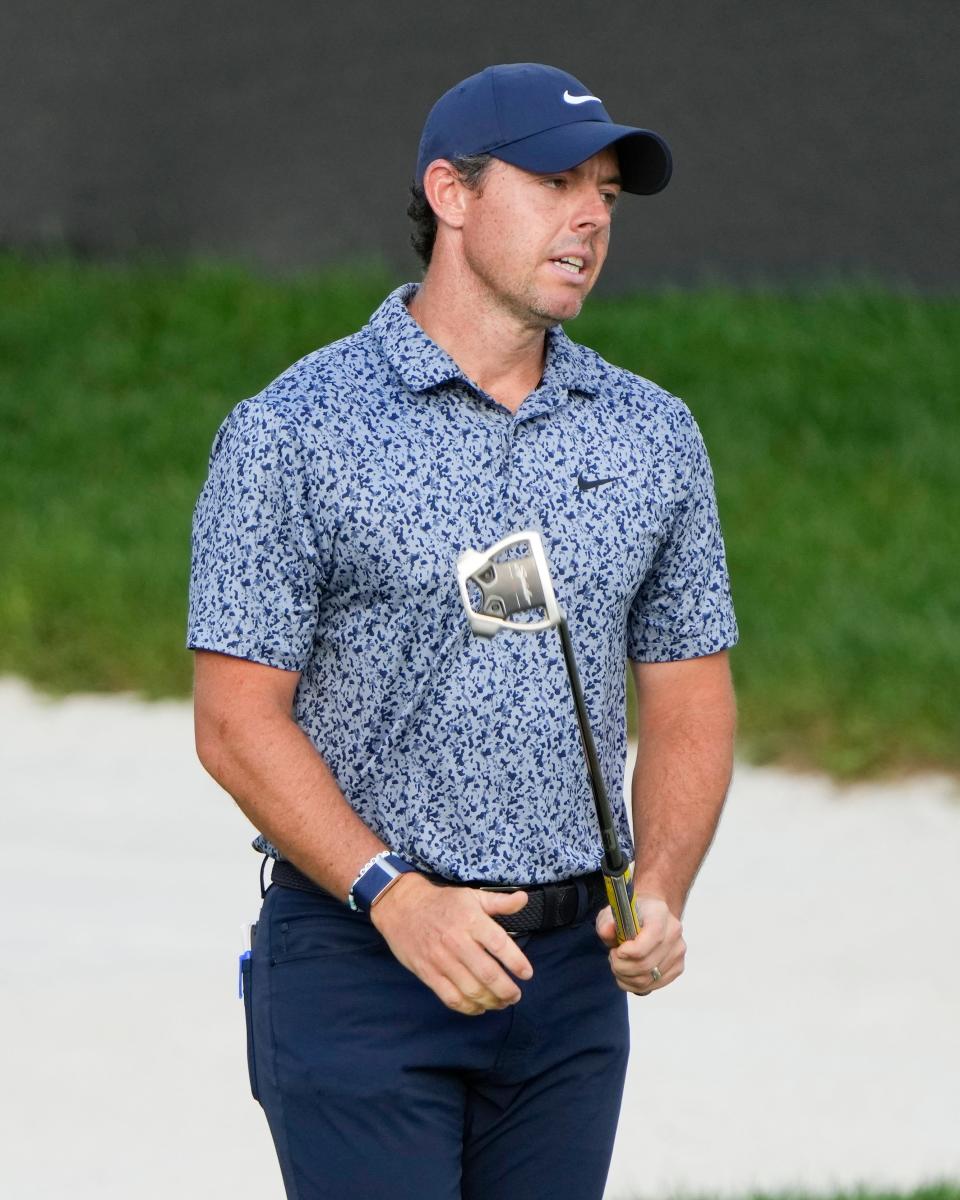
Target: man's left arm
column 686, row 724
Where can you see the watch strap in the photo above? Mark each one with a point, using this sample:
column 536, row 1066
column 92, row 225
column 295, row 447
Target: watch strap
column 375, row 877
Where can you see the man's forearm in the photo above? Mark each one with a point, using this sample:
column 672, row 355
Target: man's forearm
column 283, row 786
column 684, row 764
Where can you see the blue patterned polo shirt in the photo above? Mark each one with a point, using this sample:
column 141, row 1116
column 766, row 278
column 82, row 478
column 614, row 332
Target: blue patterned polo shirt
column 326, row 538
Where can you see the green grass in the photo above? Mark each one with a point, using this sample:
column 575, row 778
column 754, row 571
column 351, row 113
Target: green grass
column 832, row 421
column 113, row 381
column 833, row 424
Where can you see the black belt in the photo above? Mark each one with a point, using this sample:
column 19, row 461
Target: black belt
column 549, row 905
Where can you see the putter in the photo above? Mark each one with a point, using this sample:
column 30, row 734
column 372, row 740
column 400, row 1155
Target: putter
column 522, row 584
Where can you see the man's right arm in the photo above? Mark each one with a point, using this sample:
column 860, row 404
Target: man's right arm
column 249, row 742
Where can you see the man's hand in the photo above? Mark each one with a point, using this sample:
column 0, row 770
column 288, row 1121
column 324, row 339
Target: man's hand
column 659, row 944
column 447, row 937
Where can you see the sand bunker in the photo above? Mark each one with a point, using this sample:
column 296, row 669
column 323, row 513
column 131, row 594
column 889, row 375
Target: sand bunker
column 814, row 1041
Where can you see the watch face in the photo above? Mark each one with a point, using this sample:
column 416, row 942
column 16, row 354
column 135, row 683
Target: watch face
column 375, row 878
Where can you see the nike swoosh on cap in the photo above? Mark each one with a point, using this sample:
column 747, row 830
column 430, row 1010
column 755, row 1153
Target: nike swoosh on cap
column 580, row 99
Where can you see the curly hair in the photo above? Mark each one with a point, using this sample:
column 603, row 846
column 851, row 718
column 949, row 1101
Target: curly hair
column 471, row 168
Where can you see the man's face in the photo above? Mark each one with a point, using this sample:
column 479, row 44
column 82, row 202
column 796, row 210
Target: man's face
column 520, row 227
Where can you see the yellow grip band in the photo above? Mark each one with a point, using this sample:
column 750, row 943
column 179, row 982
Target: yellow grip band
column 628, row 920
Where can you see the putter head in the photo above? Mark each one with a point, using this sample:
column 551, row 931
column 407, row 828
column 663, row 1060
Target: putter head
column 508, row 587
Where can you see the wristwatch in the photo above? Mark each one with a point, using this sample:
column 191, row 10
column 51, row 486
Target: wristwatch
column 375, row 878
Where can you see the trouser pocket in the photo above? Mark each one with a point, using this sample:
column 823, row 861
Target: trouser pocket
column 246, row 990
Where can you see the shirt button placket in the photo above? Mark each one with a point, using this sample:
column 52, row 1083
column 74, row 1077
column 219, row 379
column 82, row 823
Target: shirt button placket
column 509, row 507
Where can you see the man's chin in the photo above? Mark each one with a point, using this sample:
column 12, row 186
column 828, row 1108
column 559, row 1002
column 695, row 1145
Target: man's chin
column 557, row 309
column 556, row 314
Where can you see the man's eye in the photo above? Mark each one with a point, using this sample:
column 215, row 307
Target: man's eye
column 555, row 183
column 610, row 199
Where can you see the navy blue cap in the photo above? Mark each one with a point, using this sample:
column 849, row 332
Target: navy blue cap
column 541, row 119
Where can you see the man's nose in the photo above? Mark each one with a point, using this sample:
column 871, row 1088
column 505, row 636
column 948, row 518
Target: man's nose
column 593, row 210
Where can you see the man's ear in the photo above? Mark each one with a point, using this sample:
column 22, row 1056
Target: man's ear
column 445, row 192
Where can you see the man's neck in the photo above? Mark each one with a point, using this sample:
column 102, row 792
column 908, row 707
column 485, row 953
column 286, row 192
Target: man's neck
column 496, row 350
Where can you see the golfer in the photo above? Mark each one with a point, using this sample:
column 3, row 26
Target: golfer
column 436, row 1000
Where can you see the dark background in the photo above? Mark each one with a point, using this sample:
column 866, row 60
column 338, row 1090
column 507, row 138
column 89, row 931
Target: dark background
column 811, row 140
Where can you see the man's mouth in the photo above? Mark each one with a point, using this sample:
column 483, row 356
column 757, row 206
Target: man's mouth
column 571, row 263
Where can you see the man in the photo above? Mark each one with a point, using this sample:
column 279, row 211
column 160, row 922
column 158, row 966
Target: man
column 394, row 764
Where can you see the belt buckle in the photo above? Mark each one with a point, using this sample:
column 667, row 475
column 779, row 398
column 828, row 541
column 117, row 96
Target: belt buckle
column 506, row 889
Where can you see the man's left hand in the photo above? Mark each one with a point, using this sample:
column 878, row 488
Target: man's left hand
column 653, row 958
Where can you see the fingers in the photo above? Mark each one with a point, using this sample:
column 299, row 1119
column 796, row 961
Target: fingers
column 496, row 940
column 655, row 957
column 447, row 937
column 479, row 979
column 607, row 927
column 637, row 976
column 648, row 937
column 479, row 955
column 500, row 902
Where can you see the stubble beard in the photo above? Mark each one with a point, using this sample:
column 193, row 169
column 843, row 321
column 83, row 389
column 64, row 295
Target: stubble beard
column 532, row 307
column 554, row 314
column 524, row 299
column 552, row 318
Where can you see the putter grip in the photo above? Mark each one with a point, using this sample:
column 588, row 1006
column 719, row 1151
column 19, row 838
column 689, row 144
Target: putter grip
column 625, row 913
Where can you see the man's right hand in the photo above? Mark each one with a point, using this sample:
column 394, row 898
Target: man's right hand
column 447, row 937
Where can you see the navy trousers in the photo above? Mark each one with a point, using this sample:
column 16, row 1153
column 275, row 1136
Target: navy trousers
column 372, row 1087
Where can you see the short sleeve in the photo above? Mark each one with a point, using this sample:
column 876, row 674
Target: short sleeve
column 259, row 549
column 683, row 608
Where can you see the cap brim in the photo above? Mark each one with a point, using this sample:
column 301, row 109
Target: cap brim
column 645, row 160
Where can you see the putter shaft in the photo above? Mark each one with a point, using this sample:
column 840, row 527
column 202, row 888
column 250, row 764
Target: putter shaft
column 616, row 869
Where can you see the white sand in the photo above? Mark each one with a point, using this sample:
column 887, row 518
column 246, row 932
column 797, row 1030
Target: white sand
column 814, row 1041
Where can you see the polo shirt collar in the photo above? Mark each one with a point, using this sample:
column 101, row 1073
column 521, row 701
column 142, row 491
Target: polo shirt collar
column 417, row 359
column 422, row 364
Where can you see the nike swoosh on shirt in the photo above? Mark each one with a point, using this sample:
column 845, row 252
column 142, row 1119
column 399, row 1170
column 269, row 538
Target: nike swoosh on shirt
column 585, row 484
column 580, row 99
